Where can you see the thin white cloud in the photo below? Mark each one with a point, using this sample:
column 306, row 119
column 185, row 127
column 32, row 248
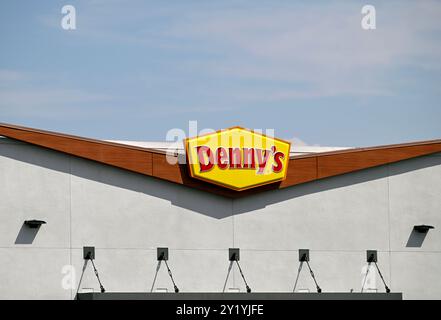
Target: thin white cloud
column 22, row 95
column 321, row 47
column 41, row 97
column 10, row 76
column 311, row 50
column 297, row 142
column 46, row 103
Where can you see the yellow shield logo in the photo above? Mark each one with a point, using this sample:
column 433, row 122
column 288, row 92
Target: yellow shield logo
column 237, row 158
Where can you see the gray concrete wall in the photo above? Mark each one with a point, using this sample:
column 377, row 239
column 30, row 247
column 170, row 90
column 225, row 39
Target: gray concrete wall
column 126, row 216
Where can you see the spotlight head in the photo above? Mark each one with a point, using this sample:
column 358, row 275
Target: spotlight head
column 162, row 254
column 233, row 254
column 371, row 256
column 303, row 255
column 88, row 253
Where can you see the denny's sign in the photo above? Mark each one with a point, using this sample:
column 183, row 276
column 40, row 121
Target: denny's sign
column 237, row 158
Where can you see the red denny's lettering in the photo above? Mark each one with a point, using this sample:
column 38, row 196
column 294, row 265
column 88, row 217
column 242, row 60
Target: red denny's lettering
column 239, row 158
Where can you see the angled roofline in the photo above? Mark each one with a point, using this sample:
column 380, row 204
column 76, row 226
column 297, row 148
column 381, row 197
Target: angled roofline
column 151, row 162
column 382, row 147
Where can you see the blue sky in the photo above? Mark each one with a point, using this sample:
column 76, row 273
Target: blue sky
column 135, row 69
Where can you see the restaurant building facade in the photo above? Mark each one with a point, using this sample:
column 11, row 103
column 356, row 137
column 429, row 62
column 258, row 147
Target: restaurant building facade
column 60, row 193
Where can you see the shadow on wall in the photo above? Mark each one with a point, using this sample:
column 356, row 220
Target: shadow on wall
column 26, row 235
column 208, row 204
column 416, row 239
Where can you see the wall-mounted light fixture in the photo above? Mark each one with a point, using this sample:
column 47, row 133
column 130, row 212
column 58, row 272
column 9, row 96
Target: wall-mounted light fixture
column 304, row 257
column 34, row 223
column 422, row 228
column 234, row 256
column 162, row 255
column 372, row 257
column 89, row 255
